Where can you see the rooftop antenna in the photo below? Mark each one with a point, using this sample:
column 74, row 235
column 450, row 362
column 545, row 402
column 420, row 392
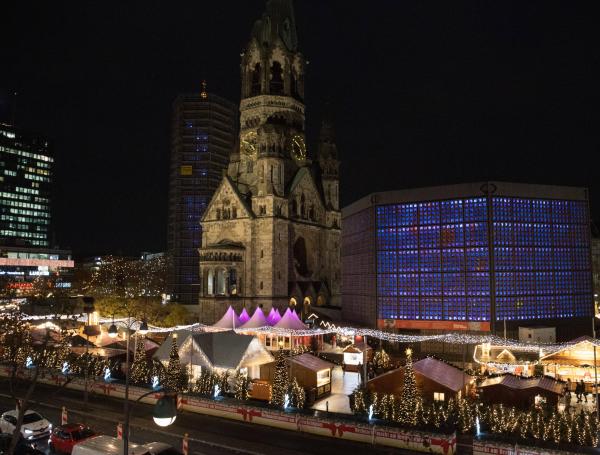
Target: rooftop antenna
column 203, row 93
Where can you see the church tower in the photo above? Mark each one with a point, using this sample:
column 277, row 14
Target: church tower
column 271, row 234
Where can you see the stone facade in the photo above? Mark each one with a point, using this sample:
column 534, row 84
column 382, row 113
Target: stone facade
column 271, row 233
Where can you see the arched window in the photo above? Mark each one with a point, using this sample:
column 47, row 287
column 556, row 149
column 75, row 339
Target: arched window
column 210, row 282
column 294, row 207
column 221, row 282
column 303, row 206
column 255, row 84
column 276, row 83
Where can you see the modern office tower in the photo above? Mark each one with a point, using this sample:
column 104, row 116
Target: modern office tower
column 25, row 216
column 204, row 131
column 25, row 179
column 480, row 257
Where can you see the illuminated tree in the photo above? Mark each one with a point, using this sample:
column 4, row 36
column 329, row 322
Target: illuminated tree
column 175, row 378
column 280, row 381
column 242, row 387
column 381, row 360
column 410, row 395
column 297, row 394
column 140, row 371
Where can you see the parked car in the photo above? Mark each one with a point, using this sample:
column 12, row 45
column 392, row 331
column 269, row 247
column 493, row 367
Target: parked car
column 64, row 437
column 106, row 445
column 23, row 448
column 34, row 426
column 160, row 448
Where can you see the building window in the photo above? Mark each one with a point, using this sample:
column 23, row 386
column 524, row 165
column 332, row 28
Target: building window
column 438, row 396
column 261, row 284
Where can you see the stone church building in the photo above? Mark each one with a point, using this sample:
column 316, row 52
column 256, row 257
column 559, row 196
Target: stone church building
column 271, row 233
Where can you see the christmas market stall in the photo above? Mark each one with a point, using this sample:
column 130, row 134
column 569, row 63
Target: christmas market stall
column 436, row 381
column 311, row 372
column 220, row 352
column 574, row 362
column 500, row 359
column 521, row 392
column 230, row 320
column 355, row 356
column 284, row 337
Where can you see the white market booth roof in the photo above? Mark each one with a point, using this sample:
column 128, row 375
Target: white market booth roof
column 229, row 320
column 290, row 321
column 223, row 350
column 257, row 320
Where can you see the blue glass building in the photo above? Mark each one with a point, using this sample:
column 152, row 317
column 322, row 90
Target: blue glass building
column 469, row 257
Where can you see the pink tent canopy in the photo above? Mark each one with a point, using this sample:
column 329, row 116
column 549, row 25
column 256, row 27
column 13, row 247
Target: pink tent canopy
column 257, row 320
column 229, row 320
column 244, row 316
column 274, row 316
column 295, row 316
column 288, row 321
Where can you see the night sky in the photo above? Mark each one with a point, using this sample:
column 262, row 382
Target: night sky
column 423, row 93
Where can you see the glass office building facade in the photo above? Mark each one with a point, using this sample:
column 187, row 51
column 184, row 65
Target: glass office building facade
column 521, row 253
column 25, row 188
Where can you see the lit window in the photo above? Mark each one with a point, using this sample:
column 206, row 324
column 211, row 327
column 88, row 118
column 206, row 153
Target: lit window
column 438, row 396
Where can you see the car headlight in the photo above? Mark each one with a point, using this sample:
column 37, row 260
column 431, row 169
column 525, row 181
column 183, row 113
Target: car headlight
column 28, row 431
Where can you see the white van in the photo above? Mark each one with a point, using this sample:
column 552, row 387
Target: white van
column 106, row 445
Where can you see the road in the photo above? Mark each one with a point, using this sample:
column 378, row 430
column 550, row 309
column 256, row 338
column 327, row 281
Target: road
column 208, row 435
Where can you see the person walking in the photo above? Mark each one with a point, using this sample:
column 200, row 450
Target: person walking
column 568, row 391
column 583, row 392
column 578, row 392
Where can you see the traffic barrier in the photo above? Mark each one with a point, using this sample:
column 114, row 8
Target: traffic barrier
column 185, row 448
column 63, row 416
column 119, row 430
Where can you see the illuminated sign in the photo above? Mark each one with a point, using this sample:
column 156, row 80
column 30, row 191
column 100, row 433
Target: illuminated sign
column 186, row 170
column 434, row 325
column 36, row 262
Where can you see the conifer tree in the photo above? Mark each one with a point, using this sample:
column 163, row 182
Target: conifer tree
column 297, row 394
column 175, row 377
column 242, row 387
column 280, row 381
column 140, row 373
column 410, row 396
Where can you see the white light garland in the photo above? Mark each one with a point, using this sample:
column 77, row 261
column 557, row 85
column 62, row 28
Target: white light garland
column 450, row 338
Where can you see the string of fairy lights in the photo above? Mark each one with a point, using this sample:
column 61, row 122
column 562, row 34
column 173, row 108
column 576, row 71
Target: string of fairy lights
column 350, row 332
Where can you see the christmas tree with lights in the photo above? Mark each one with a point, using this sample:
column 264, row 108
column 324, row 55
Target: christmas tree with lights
column 140, row 372
column 297, row 394
column 242, row 387
column 175, row 379
column 410, row 395
column 279, row 388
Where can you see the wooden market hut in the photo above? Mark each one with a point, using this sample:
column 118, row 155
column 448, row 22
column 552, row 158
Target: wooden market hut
column 312, row 373
column 520, row 392
column 499, row 359
column 355, row 356
column 575, row 362
column 436, row 381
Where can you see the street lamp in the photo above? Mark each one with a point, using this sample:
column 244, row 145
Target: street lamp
column 113, row 331
column 165, row 411
column 88, row 308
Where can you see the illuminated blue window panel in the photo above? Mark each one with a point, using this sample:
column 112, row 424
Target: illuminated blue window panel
column 477, row 259
column 453, row 260
column 429, row 213
column 429, row 236
column 407, row 237
column 407, row 260
column 388, row 309
column 476, row 209
column 408, row 308
column 407, row 215
column 431, row 308
column 454, row 284
column 476, row 234
column 386, row 261
column 452, row 235
column 431, row 284
column 478, row 308
column 452, row 211
column 430, row 261
column 408, row 284
column 455, row 308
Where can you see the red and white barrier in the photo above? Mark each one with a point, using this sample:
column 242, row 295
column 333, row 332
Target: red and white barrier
column 119, row 430
column 63, row 416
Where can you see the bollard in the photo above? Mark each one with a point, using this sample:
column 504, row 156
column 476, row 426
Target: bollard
column 63, row 417
column 179, row 401
column 119, row 430
column 185, row 444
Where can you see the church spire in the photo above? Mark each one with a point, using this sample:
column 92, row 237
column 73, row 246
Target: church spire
column 277, row 21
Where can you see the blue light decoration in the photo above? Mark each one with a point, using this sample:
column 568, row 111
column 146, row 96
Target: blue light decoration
column 107, row 376
column 433, row 259
column 155, row 383
column 65, row 368
column 370, row 412
column 286, row 401
column 217, row 391
column 29, row 362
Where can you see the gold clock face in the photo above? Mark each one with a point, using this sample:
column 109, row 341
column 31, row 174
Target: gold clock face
column 298, row 148
column 249, row 142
